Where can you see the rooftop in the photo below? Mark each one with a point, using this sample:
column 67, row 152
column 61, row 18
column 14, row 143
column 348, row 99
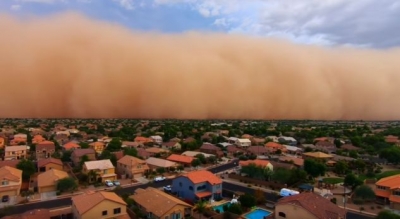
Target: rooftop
column 50, row 177
column 87, row 201
column 99, row 165
column 203, row 176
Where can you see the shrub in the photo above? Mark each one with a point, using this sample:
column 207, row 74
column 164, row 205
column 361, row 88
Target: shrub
column 358, row 201
column 372, row 207
column 248, row 185
column 218, row 211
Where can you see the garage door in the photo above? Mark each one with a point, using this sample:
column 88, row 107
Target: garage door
column 137, row 175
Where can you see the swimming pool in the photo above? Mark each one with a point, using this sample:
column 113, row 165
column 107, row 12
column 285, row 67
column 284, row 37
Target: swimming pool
column 258, row 213
column 221, row 207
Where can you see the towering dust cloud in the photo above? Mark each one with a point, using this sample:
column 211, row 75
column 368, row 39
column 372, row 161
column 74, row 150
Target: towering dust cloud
column 70, row 66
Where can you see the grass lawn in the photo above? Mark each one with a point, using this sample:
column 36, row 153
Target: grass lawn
column 387, row 173
column 333, row 180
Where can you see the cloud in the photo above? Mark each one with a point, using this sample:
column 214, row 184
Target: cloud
column 15, row 7
column 40, row 1
column 127, row 4
column 69, row 66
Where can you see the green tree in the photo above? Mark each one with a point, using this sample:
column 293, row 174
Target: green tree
column 341, row 167
column 84, row 159
column 161, row 170
column 107, row 155
column 196, row 162
column 84, row 145
column 114, row 145
column 338, row 143
column 385, row 214
column 391, row 154
column 66, row 156
column 281, row 175
column 235, row 209
column 211, row 159
column 131, row 152
column 66, row 184
column 353, row 154
column 314, row 168
column 247, row 201
column 365, row 193
column 352, row 181
column 201, row 158
column 201, row 207
column 27, row 167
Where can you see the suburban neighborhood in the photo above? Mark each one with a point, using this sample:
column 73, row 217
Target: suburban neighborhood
column 171, row 169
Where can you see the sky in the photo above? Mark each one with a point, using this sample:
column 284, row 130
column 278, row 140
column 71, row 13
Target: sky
column 361, row 23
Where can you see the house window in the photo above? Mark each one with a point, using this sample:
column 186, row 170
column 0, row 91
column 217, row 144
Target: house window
column 381, row 187
column 281, row 214
column 4, row 183
column 396, row 193
column 191, row 188
column 218, row 186
column 117, row 210
column 104, row 213
column 104, row 171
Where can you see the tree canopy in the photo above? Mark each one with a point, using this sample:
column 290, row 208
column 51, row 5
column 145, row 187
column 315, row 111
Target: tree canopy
column 28, row 168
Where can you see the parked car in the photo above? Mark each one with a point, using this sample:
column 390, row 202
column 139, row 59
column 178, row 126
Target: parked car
column 167, row 188
column 5, row 198
column 159, row 179
column 109, row 183
column 116, row 183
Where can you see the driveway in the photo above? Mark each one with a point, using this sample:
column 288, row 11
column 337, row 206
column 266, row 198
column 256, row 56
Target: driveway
column 48, row 196
column 11, row 201
column 142, row 180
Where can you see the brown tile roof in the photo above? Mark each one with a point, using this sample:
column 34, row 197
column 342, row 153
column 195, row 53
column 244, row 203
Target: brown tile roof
column 87, row 201
column 10, row 173
column 262, row 163
column 45, row 145
column 80, row 152
column 143, row 153
column 210, row 147
column 180, row 158
column 71, row 145
column 203, row 176
column 297, row 161
column 44, row 162
column 233, row 149
column 155, row 150
column 393, row 182
column 170, row 144
column 34, row 214
column 156, row 201
column 318, row 155
column 257, row 149
column 315, row 204
column 349, row 147
column 10, row 163
column 130, row 160
column 50, row 177
column 118, row 154
column 158, row 162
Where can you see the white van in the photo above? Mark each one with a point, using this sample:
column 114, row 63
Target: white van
column 287, row 192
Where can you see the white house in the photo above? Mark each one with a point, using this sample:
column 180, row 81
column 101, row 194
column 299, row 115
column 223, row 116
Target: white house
column 157, row 139
column 243, row 142
column 232, row 140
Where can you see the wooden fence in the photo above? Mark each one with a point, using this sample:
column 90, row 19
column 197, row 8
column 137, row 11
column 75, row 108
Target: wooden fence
column 268, row 184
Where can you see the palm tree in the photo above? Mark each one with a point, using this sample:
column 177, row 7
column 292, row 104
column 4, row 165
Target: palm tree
column 201, row 207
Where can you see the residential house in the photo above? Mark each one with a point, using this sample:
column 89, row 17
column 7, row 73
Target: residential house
column 130, row 144
column 257, row 141
column 158, row 204
column 231, row 150
column 392, row 139
column 195, row 153
column 317, row 156
column 48, row 164
column 103, row 169
column 157, row 139
column 171, row 145
column 243, row 142
column 388, row 191
column 155, row 163
column 247, row 136
column 142, row 153
column 98, row 146
column 328, row 139
column 258, row 150
column 45, row 149
column 293, row 149
column 47, row 181
column 37, row 139
column 10, row 163
column 34, row 214
column 11, row 181
column 176, row 139
column 189, row 140
column 77, row 154
column 211, row 149
column 326, row 146
column 307, row 205
column 232, row 140
column 154, row 150
column 261, row 163
column 2, row 142
column 224, row 144
column 118, row 154
column 19, row 139
column 104, row 205
column 299, row 162
column 287, row 140
column 349, row 147
column 132, row 167
column 274, row 147
column 197, row 185
column 15, row 152
column 282, row 165
column 181, row 159
column 143, row 140
column 71, row 146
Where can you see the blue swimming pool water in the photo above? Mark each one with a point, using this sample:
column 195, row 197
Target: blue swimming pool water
column 221, row 207
column 257, row 214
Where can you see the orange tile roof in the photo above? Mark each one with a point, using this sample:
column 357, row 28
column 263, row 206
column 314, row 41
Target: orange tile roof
column 273, row 145
column 44, row 162
column 203, row 194
column 203, row 176
column 257, row 162
column 382, row 193
column 50, row 177
column 71, row 145
column 89, row 200
column 393, row 182
column 394, row 198
column 34, row 214
column 10, row 173
column 180, row 158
